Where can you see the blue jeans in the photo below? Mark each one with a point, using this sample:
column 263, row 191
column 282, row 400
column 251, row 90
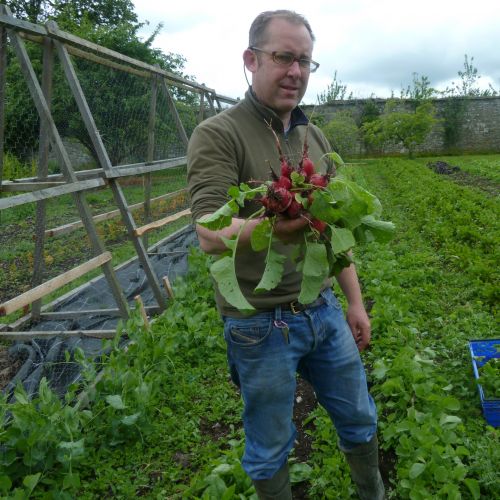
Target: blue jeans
column 264, row 363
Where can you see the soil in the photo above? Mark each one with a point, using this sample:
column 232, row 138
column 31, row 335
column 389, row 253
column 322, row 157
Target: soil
column 461, row 177
column 305, row 402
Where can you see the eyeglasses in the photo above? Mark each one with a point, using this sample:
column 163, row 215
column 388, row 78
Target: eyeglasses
column 287, row 59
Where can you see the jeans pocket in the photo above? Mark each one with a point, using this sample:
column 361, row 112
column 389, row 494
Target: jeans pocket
column 331, row 299
column 247, row 332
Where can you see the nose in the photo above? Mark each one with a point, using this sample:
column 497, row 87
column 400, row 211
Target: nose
column 294, row 70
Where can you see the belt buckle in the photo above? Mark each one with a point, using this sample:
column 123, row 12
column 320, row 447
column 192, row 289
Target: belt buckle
column 294, row 307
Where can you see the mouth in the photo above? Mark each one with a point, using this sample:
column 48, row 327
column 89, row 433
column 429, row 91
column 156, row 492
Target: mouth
column 290, row 89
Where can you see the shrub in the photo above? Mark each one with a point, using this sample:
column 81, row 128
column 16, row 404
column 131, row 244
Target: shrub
column 343, row 134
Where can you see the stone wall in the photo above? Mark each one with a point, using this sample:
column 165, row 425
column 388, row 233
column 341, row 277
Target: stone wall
column 477, row 130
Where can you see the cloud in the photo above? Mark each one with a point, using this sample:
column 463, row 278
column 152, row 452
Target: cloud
column 375, row 47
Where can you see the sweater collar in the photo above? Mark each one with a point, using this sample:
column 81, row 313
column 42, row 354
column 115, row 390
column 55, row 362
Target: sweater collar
column 297, row 117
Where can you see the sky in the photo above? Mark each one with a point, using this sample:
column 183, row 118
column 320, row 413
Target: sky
column 375, row 47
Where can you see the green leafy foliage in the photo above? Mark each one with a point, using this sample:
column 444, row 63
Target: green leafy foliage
column 342, row 133
column 350, row 213
column 400, row 127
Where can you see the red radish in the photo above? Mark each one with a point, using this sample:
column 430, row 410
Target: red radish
column 319, row 225
column 319, row 180
column 286, row 169
column 294, row 210
column 278, row 199
column 284, row 182
column 307, row 167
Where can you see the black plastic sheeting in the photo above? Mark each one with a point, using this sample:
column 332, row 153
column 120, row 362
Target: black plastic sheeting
column 47, row 357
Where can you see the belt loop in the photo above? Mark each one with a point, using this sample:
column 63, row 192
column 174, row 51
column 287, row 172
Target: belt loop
column 277, row 313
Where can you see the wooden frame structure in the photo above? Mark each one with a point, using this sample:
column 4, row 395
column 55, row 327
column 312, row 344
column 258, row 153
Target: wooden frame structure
column 43, row 186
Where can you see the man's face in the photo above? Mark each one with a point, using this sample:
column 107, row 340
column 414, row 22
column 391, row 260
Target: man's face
column 278, row 86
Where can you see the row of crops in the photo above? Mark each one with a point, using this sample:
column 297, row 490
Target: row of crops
column 163, row 421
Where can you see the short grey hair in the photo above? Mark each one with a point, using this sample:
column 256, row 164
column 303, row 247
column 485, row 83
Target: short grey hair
column 257, row 34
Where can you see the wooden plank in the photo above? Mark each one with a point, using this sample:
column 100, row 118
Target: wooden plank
column 62, row 315
column 56, row 33
column 168, row 287
column 43, row 194
column 150, row 153
column 44, row 289
column 43, row 171
column 144, row 168
column 7, row 20
column 117, row 171
column 201, row 114
column 173, row 111
column 161, row 222
column 3, row 70
column 67, row 228
column 23, row 336
column 14, row 186
column 142, row 310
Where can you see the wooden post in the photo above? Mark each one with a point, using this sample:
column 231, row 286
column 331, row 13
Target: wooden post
column 105, row 162
column 168, row 287
column 3, row 70
column 142, row 310
column 150, row 153
column 211, row 103
column 42, row 173
column 173, row 110
column 201, row 116
column 81, row 203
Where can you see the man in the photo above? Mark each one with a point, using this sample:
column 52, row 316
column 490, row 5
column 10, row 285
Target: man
column 267, row 349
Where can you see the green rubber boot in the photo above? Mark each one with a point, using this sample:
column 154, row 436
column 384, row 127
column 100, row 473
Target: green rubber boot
column 276, row 488
column 363, row 461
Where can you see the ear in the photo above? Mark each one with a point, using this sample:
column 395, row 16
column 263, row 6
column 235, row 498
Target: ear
column 250, row 60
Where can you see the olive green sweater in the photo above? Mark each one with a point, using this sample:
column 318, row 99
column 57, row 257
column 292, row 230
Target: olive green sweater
column 237, row 146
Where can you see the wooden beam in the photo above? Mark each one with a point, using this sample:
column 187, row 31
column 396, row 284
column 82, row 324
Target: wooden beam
column 62, row 36
column 62, row 315
column 71, row 226
column 142, row 310
column 117, row 171
column 43, row 194
column 15, row 186
column 3, row 70
column 168, row 287
column 23, row 336
column 173, row 111
column 44, row 289
column 161, row 222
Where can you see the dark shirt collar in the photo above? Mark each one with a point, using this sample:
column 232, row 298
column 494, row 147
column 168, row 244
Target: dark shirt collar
column 297, row 117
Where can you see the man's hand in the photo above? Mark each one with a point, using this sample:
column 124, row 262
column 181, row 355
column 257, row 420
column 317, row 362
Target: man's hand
column 358, row 321
column 290, row 231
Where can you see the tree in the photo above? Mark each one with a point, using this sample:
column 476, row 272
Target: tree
column 111, row 94
column 468, row 86
column 400, row 127
column 420, row 90
column 336, row 91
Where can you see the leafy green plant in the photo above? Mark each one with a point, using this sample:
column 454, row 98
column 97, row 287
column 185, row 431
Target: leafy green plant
column 489, row 378
column 399, row 127
column 342, row 133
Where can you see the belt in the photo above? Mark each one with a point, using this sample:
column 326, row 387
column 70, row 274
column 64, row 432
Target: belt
column 296, row 307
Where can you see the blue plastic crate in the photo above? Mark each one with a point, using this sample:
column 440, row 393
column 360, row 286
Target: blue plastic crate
column 486, row 350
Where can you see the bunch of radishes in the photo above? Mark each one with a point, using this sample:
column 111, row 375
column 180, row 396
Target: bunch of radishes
column 291, row 193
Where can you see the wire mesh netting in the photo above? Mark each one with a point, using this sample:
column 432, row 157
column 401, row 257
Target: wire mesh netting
column 142, row 119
